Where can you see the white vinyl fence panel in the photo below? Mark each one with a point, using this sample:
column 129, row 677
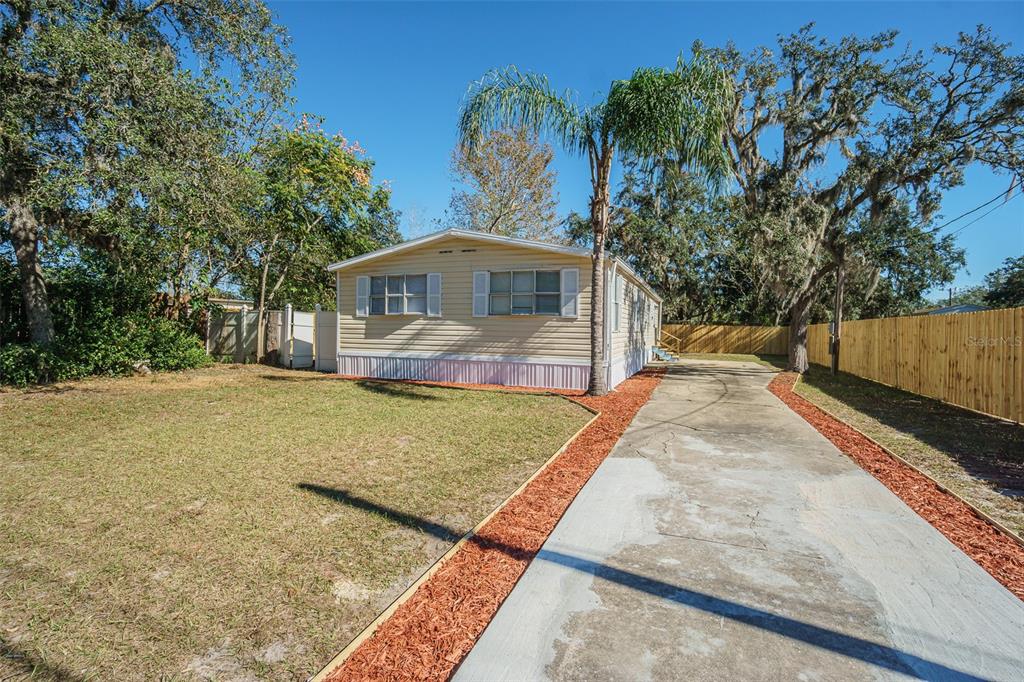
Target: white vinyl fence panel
column 303, row 335
column 326, row 341
column 309, row 339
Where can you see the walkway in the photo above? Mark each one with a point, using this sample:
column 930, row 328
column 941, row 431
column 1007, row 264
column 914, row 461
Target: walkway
column 724, row 538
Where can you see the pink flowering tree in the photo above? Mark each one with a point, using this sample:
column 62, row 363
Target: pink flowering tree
column 317, row 203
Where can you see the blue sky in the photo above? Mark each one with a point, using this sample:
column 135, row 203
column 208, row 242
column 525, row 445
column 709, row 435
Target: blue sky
column 392, row 75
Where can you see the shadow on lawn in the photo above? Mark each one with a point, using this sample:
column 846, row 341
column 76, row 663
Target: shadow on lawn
column 408, row 520
column 396, row 389
column 879, row 655
column 389, row 388
column 32, row 666
column 296, row 376
column 989, row 449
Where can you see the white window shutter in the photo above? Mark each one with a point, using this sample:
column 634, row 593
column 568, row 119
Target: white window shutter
column 481, row 290
column 362, row 296
column 433, row 294
column 570, row 288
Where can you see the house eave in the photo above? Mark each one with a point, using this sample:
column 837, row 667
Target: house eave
column 463, row 234
column 618, row 262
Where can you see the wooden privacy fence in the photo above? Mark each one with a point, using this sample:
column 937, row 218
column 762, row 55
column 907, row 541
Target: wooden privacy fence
column 292, row 338
column 974, row 360
column 721, row 338
column 231, row 334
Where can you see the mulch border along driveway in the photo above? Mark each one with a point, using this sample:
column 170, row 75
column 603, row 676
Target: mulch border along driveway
column 990, row 547
column 429, row 634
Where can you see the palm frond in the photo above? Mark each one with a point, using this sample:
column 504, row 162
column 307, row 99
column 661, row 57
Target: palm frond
column 708, row 93
column 644, row 112
column 682, row 112
column 508, row 98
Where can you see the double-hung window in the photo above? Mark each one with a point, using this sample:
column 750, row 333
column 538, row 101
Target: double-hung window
column 525, row 292
column 398, row 295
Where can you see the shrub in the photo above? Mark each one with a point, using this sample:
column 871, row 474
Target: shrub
column 22, row 364
column 172, row 347
column 105, row 322
column 109, row 345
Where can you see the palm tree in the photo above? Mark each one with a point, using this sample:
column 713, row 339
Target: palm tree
column 653, row 113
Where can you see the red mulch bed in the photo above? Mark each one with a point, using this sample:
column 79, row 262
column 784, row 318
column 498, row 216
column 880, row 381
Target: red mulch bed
column 430, row 634
column 989, row 546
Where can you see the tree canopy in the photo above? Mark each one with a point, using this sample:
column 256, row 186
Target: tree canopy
column 316, row 203
column 1005, row 285
column 828, row 137
column 143, row 165
column 511, row 187
column 698, row 250
column 121, row 125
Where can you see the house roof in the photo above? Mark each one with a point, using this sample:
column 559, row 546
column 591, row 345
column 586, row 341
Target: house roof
column 482, row 237
column 639, row 280
column 463, row 234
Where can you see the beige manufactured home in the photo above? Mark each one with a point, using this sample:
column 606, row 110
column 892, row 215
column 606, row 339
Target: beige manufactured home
column 471, row 307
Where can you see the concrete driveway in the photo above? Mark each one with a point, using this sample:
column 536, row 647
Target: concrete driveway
column 724, row 538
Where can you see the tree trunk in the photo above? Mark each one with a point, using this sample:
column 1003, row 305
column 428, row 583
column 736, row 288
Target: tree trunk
column 799, row 315
column 261, row 313
column 599, row 204
column 262, row 305
column 25, row 238
column 597, row 383
column 837, row 319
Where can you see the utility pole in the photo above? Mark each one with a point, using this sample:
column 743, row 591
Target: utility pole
column 837, row 318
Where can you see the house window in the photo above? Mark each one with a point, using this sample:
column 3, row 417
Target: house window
column 398, row 295
column 525, row 292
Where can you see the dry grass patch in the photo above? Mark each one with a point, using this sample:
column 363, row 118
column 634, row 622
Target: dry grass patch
column 237, row 522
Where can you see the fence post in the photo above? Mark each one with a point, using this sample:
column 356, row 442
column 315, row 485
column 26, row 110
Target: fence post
column 337, row 322
column 316, row 338
column 239, row 355
column 288, row 333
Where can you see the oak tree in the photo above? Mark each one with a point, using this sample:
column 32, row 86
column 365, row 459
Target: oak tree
column 119, row 119
column 826, row 134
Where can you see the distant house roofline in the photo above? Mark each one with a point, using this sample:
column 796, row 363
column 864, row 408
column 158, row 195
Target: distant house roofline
column 953, row 309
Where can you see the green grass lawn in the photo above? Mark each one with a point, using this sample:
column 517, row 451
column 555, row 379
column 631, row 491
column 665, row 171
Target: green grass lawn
column 237, row 522
column 769, row 360
column 978, row 457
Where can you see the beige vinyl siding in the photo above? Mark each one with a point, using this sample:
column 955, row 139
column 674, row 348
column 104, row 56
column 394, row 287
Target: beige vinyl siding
column 457, row 331
column 635, row 332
